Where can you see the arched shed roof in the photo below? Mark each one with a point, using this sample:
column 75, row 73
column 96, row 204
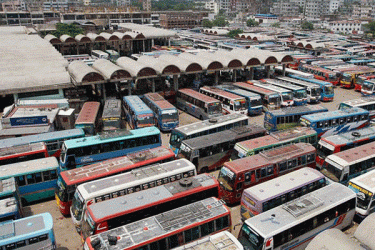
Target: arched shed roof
column 52, row 39
column 95, row 38
column 111, row 71
column 109, row 37
column 82, row 39
column 246, row 58
column 84, row 74
column 67, row 39
column 184, row 65
column 135, row 68
column 213, row 62
column 164, row 67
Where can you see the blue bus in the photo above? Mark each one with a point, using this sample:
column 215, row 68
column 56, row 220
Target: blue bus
column 9, row 209
column 36, row 179
column 337, row 121
column 299, row 93
column 312, row 90
column 11, row 206
column 166, row 115
column 111, row 144
column 361, row 62
column 286, row 118
column 253, row 101
column 33, row 232
column 53, row 140
column 137, row 113
column 327, row 92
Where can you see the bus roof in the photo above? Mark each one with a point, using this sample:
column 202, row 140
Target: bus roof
column 333, row 239
column 334, row 114
column 102, row 168
column 264, row 84
column 366, row 181
column 11, row 150
column 8, row 205
column 223, row 136
column 112, row 108
column 251, row 87
column 298, row 110
column 360, row 101
column 283, row 84
column 313, row 80
column 278, row 219
column 350, row 137
column 198, row 95
column 109, row 208
column 266, row 190
column 19, row 168
column 222, row 92
column 156, row 226
column 238, row 91
column 137, row 105
column 110, row 136
column 298, row 81
column 7, row 186
column 159, row 101
column 88, row 112
column 50, row 136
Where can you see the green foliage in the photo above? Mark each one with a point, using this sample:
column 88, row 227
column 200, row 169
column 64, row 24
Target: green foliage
column 67, row 29
column 207, row 23
column 305, row 25
column 251, row 22
column 172, row 5
column 234, row 33
column 137, row 4
column 369, row 28
column 220, row 21
column 276, row 25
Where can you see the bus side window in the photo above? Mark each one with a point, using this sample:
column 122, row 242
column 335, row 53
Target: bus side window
column 21, row 181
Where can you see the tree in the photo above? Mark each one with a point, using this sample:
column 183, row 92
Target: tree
column 67, row 29
column 220, row 21
column 207, row 23
column 276, row 25
column 251, row 22
column 369, row 28
column 305, row 25
column 234, row 33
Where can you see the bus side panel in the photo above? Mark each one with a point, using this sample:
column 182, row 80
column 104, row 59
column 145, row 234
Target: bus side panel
column 38, row 191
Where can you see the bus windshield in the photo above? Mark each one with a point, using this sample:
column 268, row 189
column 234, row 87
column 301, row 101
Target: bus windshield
column 332, row 77
column 226, row 179
column 77, row 205
column 368, row 86
column 256, row 102
column 328, row 90
column 239, row 105
column 185, row 151
column 61, row 190
column 274, row 99
column 331, row 172
column 323, row 151
column 287, row 96
column 316, row 92
column 176, row 138
column 347, row 77
column 169, row 116
column 301, row 94
column 145, row 119
column 214, row 108
column 363, row 199
column 249, row 239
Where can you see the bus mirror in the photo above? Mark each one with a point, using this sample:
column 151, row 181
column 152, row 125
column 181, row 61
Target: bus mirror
column 234, row 226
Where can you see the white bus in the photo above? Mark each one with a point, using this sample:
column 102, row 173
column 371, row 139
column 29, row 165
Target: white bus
column 270, row 194
column 367, row 102
column 98, row 54
column 313, row 90
column 129, row 182
column 231, row 103
column 299, row 93
column 285, row 94
column 294, row 224
column 288, row 71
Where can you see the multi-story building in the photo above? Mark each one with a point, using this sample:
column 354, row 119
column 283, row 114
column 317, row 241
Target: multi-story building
column 316, row 8
column 146, row 4
column 212, row 5
column 182, row 20
column 13, row 6
column 361, row 11
column 28, row 18
column 285, row 8
column 347, row 27
column 58, row 5
column 334, row 5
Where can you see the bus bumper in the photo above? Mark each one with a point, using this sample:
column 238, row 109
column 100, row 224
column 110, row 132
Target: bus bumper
column 327, row 99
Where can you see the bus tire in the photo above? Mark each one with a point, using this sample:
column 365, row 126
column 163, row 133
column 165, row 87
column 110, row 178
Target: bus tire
column 204, row 170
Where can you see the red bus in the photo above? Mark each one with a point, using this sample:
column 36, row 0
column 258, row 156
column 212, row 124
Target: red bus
column 297, row 59
column 112, row 213
column 361, row 79
column 19, row 153
column 322, row 73
column 88, row 118
column 237, row 175
column 70, row 179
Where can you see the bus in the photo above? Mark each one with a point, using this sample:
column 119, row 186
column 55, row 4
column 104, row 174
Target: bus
column 207, row 127
column 36, row 179
column 209, row 152
column 289, row 71
column 237, row 175
column 167, row 230
column 285, row 94
column 270, row 194
column 138, row 114
column 361, row 80
column 275, row 139
column 9, row 209
column 294, row 224
column 364, row 187
column 349, row 78
column 98, row 54
column 20, row 153
column 113, row 55
column 112, row 115
column 299, row 93
column 327, row 92
column 297, row 59
column 230, row 103
column 343, row 166
column 10, row 197
column 109, row 214
column 198, row 104
column 337, row 121
column 341, row 142
column 68, row 181
column 166, row 115
column 214, row 242
column 313, row 90
column 289, row 117
column 361, row 62
column 368, row 87
column 270, row 99
column 110, row 144
column 253, row 101
column 136, row 180
column 88, row 118
column 322, row 73
column 33, row 232
column 367, row 103
column 53, row 140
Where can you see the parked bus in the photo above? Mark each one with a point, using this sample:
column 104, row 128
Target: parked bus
column 368, row 87
column 253, row 101
column 341, row 142
column 299, row 93
column 270, row 99
column 33, row 232
column 36, row 179
column 88, row 118
column 166, row 115
column 237, row 175
column 337, row 121
column 327, row 92
column 286, row 95
column 112, row 115
column 361, row 80
column 231, row 103
column 9, row 209
column 294, row 224
column 297, row 59
column 10, row 199
column 349, row 78
column 138, row 114
column 313, row 90
column 84, row 151
column 367, row 103
column 98, row 54
column 364, row 187
column 290, row 71
column 68, row 181
column 322, row 73
column 198, row 104
column 270, row 194
column 275, row 139
column 207, row 127
column 286, row 118
column 167, row 230
column 113, row 55
column 209, row 152
column 127, row 183
column 109, row 214
column 20, row 153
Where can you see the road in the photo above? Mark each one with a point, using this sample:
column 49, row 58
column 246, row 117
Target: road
column 65, row 232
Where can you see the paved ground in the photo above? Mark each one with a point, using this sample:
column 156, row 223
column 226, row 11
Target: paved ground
column 68, row 238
